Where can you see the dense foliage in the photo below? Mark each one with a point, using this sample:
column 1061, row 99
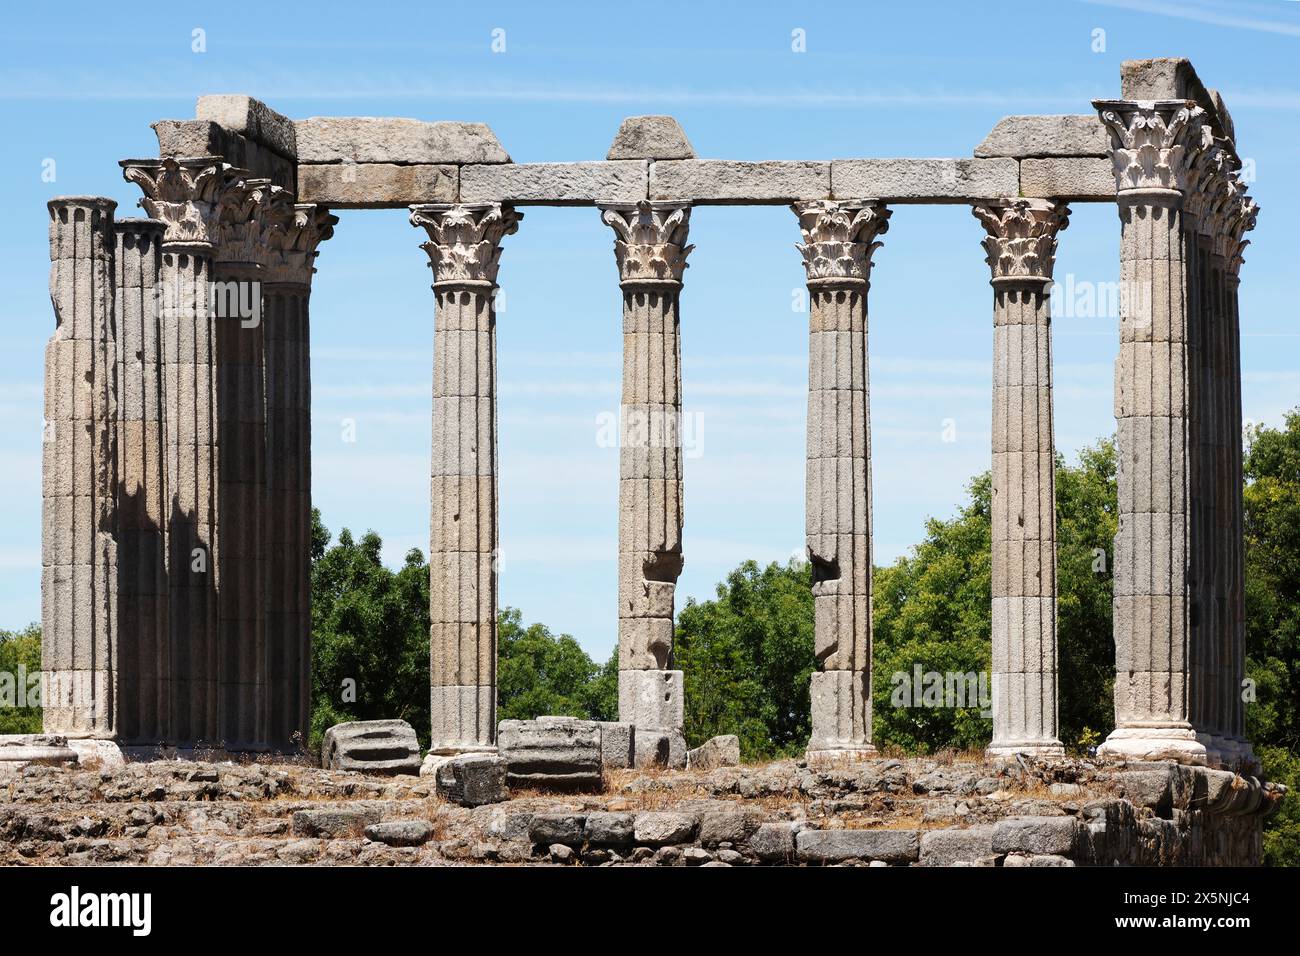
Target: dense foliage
column 20, row 659
column 370, row 646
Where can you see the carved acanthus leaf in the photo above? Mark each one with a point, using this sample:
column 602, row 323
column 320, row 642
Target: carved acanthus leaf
column 188, row 195
column 1021, row 240
column 291, row 235
column 1153, row 142
column 650, row 241
column 839, row 238
column 465, row 239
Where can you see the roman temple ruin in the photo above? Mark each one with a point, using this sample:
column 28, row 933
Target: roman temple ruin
column 177, row 460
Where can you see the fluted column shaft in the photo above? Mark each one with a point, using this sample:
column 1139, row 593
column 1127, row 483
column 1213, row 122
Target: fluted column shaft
column 650, row 249
column 464, row 252
column 839, row 240
column 1021, row 247
column 144, row 646
column 79, row 645
column 293, row 233
column 190, row 196
column 243, row 708
column 1156, row 401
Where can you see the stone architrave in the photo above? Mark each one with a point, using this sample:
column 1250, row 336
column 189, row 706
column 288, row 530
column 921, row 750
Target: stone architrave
column 1153, row 145
column 839, row 240
column 1021, row 248
column 650, row 249
column 464, row 251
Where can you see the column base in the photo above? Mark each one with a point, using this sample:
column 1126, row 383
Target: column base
column 1229, row 753
column 1154, row 743
column 462, row 719
column 1007, row 750
column 828, row 758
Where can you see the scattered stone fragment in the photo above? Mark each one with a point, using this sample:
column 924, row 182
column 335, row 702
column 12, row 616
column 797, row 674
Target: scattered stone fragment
column 472, row 780
column 552, row 753
column 372, row 746
column 661, row 828
column 400, row 832
column 333, row 824
column 723, row 751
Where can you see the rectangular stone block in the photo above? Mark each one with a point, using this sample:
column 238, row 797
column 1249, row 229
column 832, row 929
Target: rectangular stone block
column 1025, row 136
column 1081, row 179
column 554, row 753
column 653, row 699
column 207, row 138
column 556, row 184
column 924, row 180
column 833, row 846
column 461, row 718
column 375, row 185
column 841, row 712
column 617, row 744
column 720, row 181
column 367, row 139
column 251, row 118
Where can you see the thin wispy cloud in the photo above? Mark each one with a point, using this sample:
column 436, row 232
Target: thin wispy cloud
column 1235, row 16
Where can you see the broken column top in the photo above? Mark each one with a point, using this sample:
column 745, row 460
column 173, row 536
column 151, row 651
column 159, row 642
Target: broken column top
column 1174, row 78
column 251, row 118
column 650, row 137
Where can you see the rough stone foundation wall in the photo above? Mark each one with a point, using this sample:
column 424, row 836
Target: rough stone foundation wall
column 877, row 813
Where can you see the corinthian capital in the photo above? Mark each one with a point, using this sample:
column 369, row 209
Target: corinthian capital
column 839, row 239
column 1239, row 219
column 650, row 242
column 465, row 239
column 189, row 195
column 290, row 234
column 1153, row 143
column 1021, row 240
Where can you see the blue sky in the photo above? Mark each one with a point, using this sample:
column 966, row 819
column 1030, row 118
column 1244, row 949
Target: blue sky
column 81, row 82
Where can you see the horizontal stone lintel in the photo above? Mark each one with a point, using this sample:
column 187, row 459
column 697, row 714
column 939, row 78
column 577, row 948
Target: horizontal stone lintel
column 376, row 185
column 1074, row 179
column 706, row 182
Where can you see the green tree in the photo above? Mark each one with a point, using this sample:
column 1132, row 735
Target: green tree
column 20, row 661
column 370, row 633
column 1271, row 527
column 539, row 673
column 370, row 652
column 747, row 656
column 933, row 610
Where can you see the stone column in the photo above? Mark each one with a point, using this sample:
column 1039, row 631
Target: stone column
column 1239, row 217
column 79, row 645
column 291, row 234
column 650, row 250
column 1021, row 247
column 144, row 646
column 839, row 241
column 240, row 413
column 1152, row 146
column 188, row 195
column 464, row 251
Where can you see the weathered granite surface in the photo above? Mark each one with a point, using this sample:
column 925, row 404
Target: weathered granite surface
column 917, row 812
